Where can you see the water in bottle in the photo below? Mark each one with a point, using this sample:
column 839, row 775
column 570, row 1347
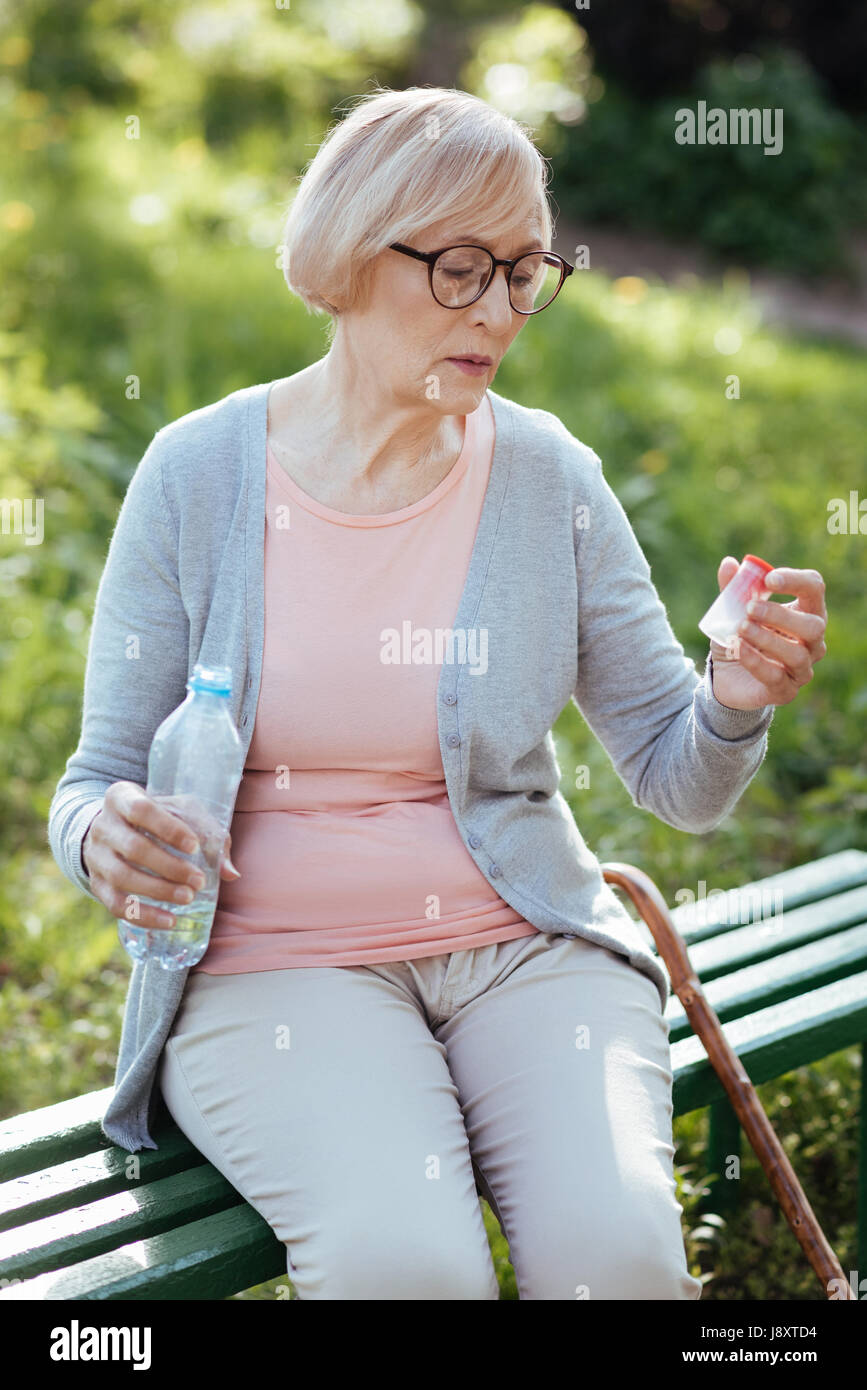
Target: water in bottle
column 195, row 765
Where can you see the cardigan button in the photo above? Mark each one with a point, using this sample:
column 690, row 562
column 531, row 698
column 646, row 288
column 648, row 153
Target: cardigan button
column 453, row 740
column 450, row 698
column 495, row 871
column 474, row 841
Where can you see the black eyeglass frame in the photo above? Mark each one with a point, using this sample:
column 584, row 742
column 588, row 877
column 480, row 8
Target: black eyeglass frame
column 430, row 257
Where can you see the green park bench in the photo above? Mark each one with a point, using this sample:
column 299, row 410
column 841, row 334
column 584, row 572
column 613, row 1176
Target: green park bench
column 789, row 987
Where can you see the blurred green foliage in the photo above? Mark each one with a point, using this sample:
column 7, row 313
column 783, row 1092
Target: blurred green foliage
column 792, row 210
column 141, row 281
column 657, row 46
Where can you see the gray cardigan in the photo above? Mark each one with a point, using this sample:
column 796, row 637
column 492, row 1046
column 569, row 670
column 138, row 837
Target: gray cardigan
column 559, row 581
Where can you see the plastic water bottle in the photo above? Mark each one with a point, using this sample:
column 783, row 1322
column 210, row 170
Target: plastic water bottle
column 195, row 764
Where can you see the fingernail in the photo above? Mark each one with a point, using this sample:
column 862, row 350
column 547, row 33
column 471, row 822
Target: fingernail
column 236, row 873
column 772, row 579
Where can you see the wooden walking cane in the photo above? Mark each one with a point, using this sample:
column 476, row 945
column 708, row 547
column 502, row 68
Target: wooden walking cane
column 731, row 1072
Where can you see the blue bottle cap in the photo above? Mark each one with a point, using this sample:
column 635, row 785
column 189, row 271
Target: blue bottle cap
column 217, row 680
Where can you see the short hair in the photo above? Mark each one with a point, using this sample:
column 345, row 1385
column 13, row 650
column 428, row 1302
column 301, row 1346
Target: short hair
column 398, row 163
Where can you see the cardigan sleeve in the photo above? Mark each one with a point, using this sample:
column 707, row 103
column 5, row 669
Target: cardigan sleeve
column 680, row 753
column 137, row 659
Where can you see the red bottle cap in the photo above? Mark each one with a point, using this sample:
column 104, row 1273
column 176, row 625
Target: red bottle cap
column 762, row 564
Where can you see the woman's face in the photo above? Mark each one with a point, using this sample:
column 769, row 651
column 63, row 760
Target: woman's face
column 409, row 338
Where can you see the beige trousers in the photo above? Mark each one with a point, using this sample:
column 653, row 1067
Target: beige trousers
column 356, row 1107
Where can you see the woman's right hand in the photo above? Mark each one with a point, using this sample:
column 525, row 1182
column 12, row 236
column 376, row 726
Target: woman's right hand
column 114, row 848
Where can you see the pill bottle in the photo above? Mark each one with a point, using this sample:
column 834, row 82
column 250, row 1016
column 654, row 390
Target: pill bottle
column 729, row 608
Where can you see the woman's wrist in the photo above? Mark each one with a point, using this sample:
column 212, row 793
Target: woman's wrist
column 756, row 711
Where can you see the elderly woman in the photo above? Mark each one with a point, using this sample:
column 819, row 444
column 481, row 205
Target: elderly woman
column 418, row 986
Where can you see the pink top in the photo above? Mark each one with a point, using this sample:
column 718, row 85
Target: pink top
column 343, row 833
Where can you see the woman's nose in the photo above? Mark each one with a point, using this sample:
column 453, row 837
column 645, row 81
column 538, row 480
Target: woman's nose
column 495, row 303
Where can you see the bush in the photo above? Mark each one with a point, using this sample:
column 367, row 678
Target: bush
column 790, row 210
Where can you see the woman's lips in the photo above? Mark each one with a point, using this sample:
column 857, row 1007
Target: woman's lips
column 471, row 368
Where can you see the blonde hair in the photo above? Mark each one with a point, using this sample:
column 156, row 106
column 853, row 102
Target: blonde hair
column 398, row 163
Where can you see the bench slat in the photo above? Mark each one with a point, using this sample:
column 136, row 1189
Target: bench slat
column 740, row 946
column 211, row 1258
column 775, row 1040
column 834, row 873
column 53, row 1133
column 94, row 1227
column 769, row 982
column 37, row 1195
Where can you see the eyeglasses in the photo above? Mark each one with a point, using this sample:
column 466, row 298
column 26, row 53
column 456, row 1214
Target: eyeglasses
column 459, row 275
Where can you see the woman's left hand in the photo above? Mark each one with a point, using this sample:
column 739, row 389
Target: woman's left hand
column 775, row 652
